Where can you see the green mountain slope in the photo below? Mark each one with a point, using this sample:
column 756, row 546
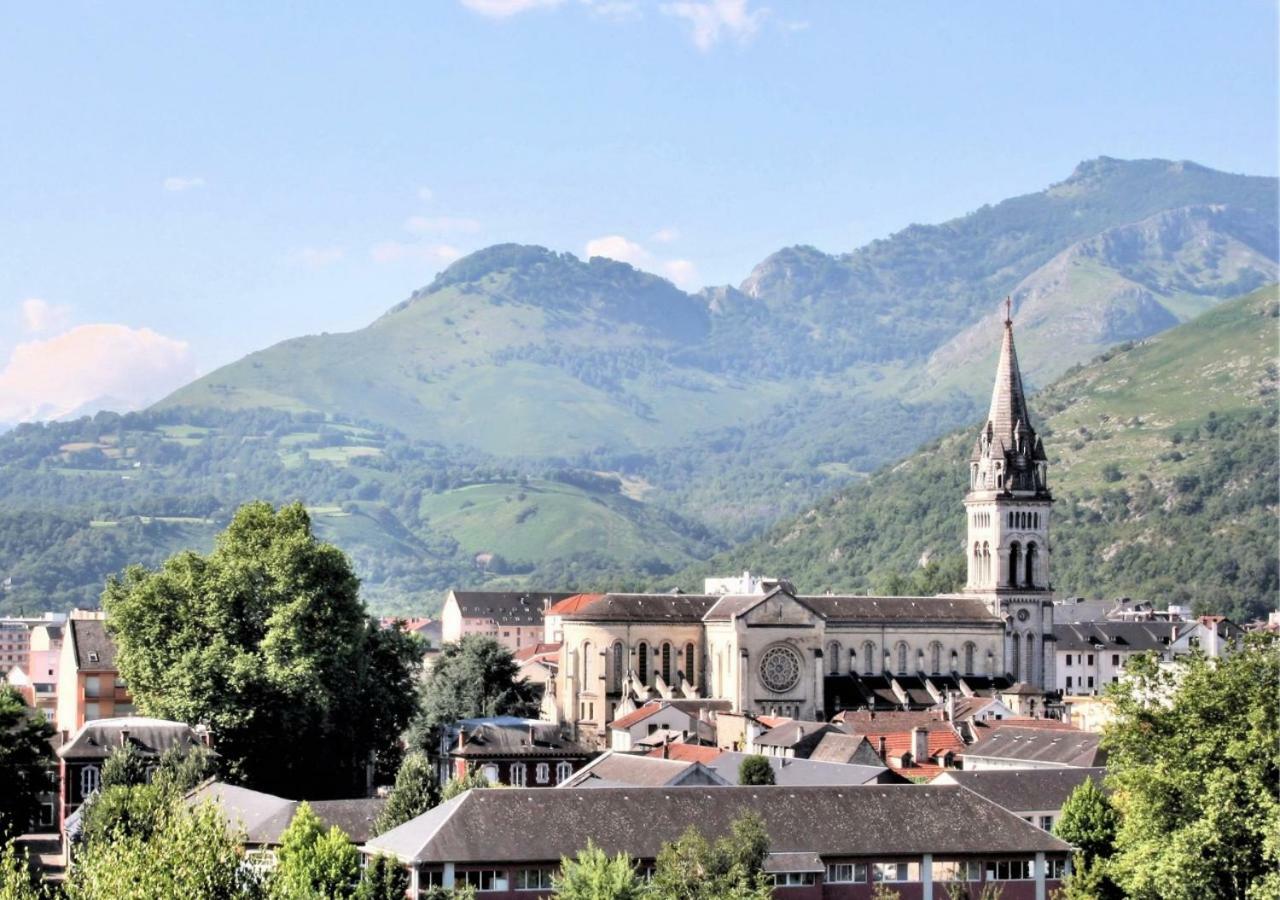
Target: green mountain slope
column 1163, row 460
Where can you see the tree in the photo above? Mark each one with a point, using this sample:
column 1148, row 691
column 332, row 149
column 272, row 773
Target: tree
column 18, row 880
column 755, row 769
column 472, row 678
column 593, row 875
column 128, row 805
column 312, row 862
column 1088, row 822
column 191, row 854
column 415, row 792
column 458, row 786
column 691, row 868
column 266, row 641
column 26, row 758
column 1193, row 761
column 125, row 766
column 384, row 879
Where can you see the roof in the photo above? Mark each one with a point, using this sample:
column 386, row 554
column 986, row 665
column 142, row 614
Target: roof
column 264, row 817
column 573, row 604
column 842, row 748
column 506, row 607
column 507, row 736
column 688, row 608
column 1025, row 790
column 899, row 609
column 687, row 753
column 492, row 826
column 94, row 649
column 1045, row 746
column 791, row 733
column 1008, row 400
column 532, row 651
column 1129, row 637
column 635, row 717
column 871, row 722
column 622, row 769
column 793, row 862
column 796, row 772
column 98, row 738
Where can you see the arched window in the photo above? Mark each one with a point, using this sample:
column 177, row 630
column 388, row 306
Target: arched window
column 868, row 658
column 1015, row 554
column 90, row 778
column 833, row 658
column 666, row 662
column 975, row 563
column 968, row 658
column 902, row 658
column 853, row 662
column 642, row 662
column 618, row 667
column 1031, row 565
column 586, row 666
column 955, row 662
column 563, row 771
column 1029, row 663
column 986, row 562
column 689, row 652
column 935, row 658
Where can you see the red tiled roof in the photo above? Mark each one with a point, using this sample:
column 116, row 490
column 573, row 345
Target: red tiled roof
column 687, row 753
column 524, row 654
column 773, row 721
column 573, row 604
column 639, row 715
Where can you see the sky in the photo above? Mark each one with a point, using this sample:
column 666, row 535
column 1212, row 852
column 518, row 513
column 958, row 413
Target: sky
column 183, row 184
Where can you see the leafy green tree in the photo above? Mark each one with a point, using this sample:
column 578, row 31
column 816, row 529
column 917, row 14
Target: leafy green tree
column 1193, row 760
column 125, row 766
column 474, row 677
column 129, row 810
column 266, row 641
column 691, row 868
column 313, row 862
column 593, row 875
column 460, row 892
column 1089, row 822
column 457, row 786
column 755, row 769
column 26, row 758
column 18, row 880
column 415, row 792
column 384, row 878
column 191, row 854
column 181, row 770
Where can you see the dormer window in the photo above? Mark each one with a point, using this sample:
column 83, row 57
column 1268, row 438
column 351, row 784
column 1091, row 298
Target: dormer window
column 93, row 656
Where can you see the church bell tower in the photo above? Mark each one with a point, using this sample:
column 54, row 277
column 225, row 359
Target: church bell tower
column 1008, row 506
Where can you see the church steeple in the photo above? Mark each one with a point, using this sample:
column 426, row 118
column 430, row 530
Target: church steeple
column 1008, row 455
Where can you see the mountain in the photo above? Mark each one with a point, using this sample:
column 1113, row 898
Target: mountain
column 530, row 418
column 1162, row 459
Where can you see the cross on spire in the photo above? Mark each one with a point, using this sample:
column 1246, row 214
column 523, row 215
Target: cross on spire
column 1008, row 310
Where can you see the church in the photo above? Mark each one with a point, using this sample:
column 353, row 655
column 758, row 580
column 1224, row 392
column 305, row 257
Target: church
column 780, row 652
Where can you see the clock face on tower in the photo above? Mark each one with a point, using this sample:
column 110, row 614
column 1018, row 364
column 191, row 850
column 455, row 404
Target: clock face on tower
column 1023, row 615
column 780, row 668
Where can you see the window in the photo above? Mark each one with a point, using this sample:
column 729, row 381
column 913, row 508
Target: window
column 543, row 772
column 93, row 686
column 517, row 774
column 1090, row 659
column 689, row 669
column 46, row 814
column 534, row 879
column 1009, row 870
column 617, row 667
column 92, row 711
column 902, row 659
column 868, row 658
column 666, row 663
column 847, row 873
column 833, row 658
column 957, row 870
column 896, row 871
column 1090, row 681
column 484, row 879
column 968, row 659
column 89, row 780
column 1068, row 659
column 1046, row 822
column 794, row 879
column 491, row 774
column 563, row 771
column 586, row 666
column 1115, row 659
column 1057, row 869
column 935, row 658
column 642, row 663
column 1068, row 682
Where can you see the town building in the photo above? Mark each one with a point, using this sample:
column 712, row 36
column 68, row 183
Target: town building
column 807, row 772
column 1020, row 747
column 778, row 652
column 825, row 842
column 509, row 750
column 512, row 618
column 612, row 769
column 89, row 684
column 685, row 721
column 1037, row 795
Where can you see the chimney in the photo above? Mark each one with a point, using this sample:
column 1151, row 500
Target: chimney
column 666, row 747
column 124, row 737
column 531, row 737
column 462, row 737
column 880, row 746
column 951, row 706
column 920, row 744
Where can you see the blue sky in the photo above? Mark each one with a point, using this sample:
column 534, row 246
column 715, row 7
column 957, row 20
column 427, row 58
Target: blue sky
column 182, row 185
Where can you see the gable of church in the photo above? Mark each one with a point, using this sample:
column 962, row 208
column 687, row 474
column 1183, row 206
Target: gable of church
column 781, row 610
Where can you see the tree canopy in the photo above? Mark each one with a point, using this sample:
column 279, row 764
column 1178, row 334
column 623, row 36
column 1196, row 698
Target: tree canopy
column 416, row 790
column 755, row 769
column 594, row 875
column 266, row 640
column 313, row 861
column 25, row 758
column 474, row 677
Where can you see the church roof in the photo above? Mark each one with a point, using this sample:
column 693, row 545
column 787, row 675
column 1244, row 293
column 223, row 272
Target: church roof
column 673, row 608
column 1008, row 400
column 899, row 609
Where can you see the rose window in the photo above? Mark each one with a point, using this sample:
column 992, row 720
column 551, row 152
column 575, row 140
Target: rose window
column 780, row 668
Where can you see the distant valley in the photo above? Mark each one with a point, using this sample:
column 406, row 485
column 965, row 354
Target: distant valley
column 530, row 417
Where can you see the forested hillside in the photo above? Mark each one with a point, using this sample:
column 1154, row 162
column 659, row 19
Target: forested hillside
column 1163, row 462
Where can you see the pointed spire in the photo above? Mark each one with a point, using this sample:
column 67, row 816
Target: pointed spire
column 1008, row 402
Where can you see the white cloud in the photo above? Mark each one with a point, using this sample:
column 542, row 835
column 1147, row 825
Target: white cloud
column 665, row 235
column 319, row 257
column 400, row 251
column 425, row 194
column 617, row 10
column 183, row 182
column 711, row 20
column 501, row 9
column 91, row 367
column 39, row 316
column 441, row 225
column 681, row 272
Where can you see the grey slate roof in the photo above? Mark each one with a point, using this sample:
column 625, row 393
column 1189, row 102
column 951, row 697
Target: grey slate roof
column 1102, row 637
column 1025, row 790
column 493, row 826
column 688, row 608
column 511, row 736
column 506, row 607
column 622, row 770
column 844, row 749
column 797, row 772
column 264, row 817
column 794, row 862
column 98, row 738
column 1043, row 746
column 355, row 816
column 900, row 609
column 95, row 651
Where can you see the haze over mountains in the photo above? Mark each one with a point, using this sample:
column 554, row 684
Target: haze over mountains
column 526, row 393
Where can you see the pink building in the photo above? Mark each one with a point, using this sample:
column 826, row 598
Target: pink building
column 512, row 618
